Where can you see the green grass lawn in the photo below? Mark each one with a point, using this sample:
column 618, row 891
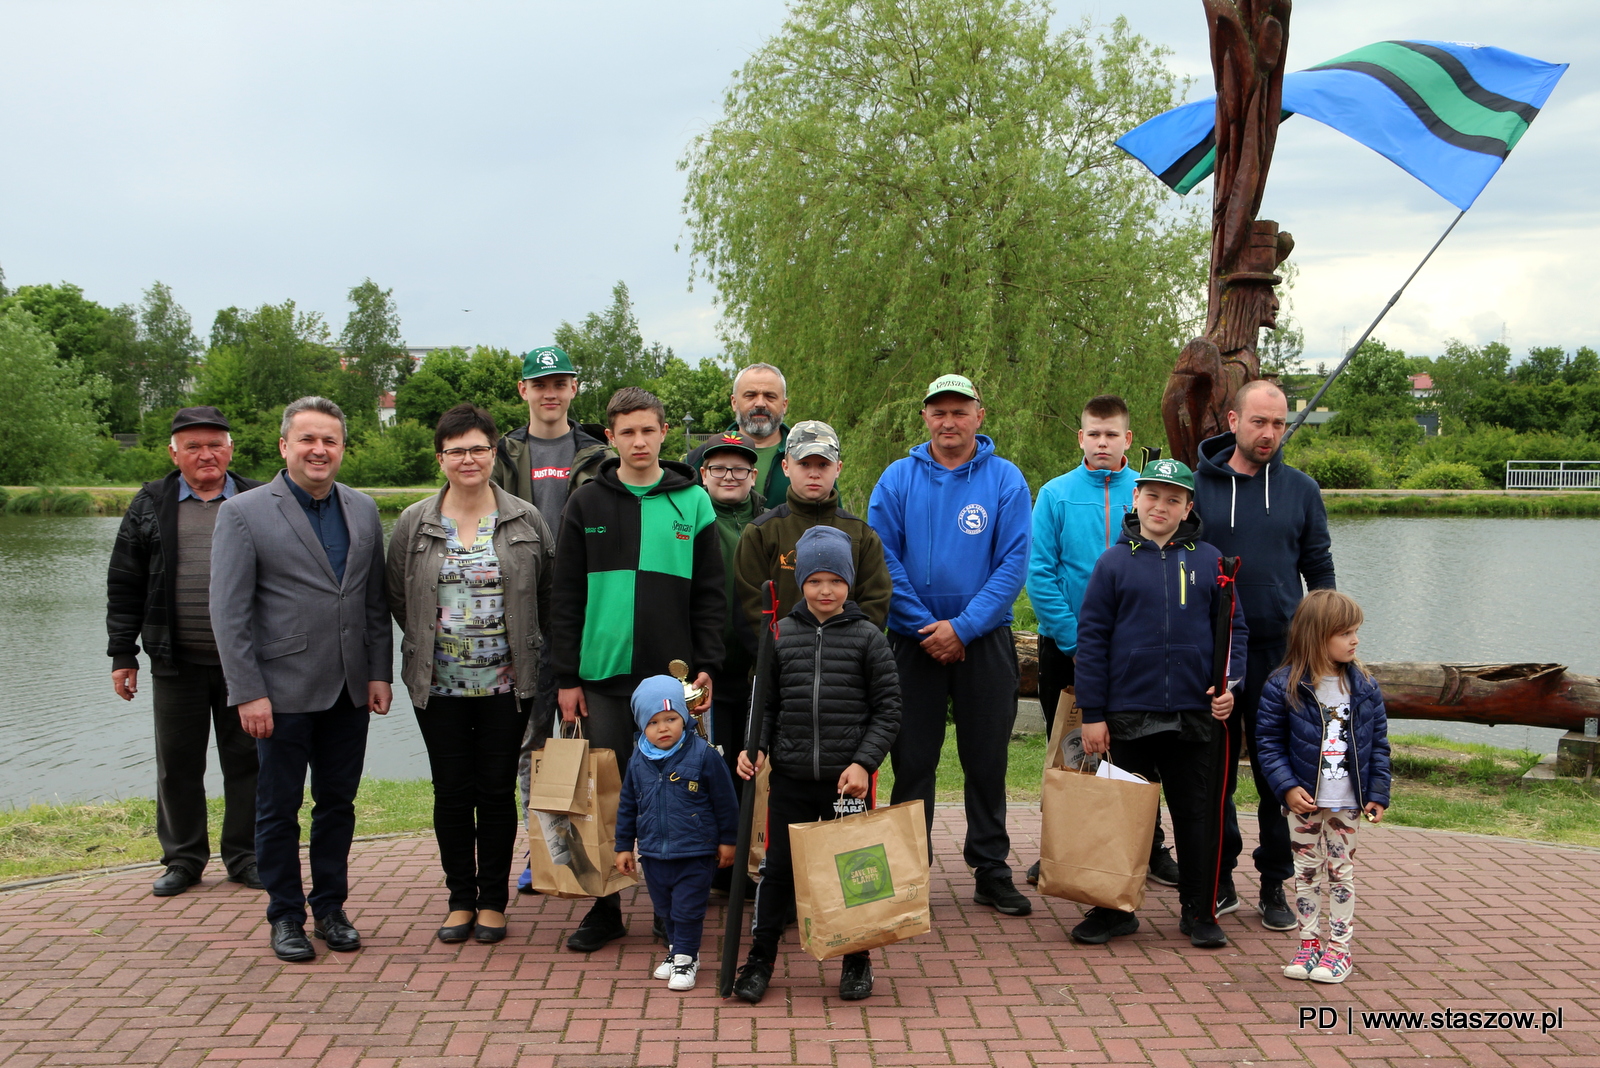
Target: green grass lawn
column 1439, row 784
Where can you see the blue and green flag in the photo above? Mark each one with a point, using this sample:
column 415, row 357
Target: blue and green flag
column 1448, row 113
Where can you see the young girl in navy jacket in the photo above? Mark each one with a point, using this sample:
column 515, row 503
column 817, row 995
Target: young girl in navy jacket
column 1322, row 736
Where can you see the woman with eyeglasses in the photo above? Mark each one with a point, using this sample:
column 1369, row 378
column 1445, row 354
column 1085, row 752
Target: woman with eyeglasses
column 469, row 584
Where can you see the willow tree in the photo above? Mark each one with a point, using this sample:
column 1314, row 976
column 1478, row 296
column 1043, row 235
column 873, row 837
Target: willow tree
column 902, row 188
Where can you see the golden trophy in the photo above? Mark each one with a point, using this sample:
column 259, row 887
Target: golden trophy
column 692, row 694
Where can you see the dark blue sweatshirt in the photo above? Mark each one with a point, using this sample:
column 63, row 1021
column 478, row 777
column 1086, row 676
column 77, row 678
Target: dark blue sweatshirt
column 680, row 806
column 1275, row 523
column 1144, row 631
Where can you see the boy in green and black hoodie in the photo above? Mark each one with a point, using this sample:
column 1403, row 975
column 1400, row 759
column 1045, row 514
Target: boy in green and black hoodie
column 638, row 583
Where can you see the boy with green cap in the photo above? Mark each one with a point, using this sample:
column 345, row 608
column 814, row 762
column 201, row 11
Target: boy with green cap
column 1145, row 646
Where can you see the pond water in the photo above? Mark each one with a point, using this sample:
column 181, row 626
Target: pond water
column 1433, row 589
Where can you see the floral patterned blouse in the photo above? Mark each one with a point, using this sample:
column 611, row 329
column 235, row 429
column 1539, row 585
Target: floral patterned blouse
column 471, row 656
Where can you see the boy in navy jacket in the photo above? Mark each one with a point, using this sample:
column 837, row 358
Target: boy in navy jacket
column 678, row 802
column 1145, row 646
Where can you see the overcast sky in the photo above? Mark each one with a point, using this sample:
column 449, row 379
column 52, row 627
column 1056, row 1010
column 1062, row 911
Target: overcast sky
column 502, row 165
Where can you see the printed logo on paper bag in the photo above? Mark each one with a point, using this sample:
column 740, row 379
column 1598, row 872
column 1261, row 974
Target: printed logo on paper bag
column 864, row 876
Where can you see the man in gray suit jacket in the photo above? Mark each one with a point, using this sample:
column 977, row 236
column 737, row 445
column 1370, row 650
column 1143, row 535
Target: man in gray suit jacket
column 302, row 626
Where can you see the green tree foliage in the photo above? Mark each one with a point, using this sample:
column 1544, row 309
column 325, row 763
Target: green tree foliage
column 374, row 352
column 401, row 455
column 701, row 391
column 168, row 349
column 97, row 340
column 609, row 352
column 486, row 376
column 1583, row 369
column 1373, row 395
column 1546, row 393
column 52, row 434
column 902, row 188
column 261, row 360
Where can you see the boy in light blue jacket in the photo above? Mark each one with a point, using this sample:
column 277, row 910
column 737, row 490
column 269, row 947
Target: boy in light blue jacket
column 1077, row 517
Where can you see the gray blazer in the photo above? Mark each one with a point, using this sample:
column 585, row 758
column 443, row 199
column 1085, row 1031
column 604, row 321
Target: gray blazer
column 527, row 552
column 285, row 628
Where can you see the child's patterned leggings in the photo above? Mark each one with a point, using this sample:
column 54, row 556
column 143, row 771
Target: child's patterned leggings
column 1324, row 842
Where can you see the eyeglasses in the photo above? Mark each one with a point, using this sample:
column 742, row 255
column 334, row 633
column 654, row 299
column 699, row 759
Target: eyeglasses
column 738, row 474
column 477, row 452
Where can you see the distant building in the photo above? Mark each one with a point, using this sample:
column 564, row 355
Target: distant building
column 386, row 410
column 1421, row 386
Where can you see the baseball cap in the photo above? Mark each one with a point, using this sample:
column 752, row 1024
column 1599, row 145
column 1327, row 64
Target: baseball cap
column 812, row 438
column 204, row 415
column 548, row 360
column 951, row 384
column 730, row 442
column 1173, row 472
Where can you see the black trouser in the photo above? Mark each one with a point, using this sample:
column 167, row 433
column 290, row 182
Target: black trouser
column 730, row 713
column 1185, row 768
column 790, row 801
column 1272, row 857
column 333, row 745
column 189, row 700
column 472, row 749
column 982, row 690
column 1057, row 671
column 610, row 726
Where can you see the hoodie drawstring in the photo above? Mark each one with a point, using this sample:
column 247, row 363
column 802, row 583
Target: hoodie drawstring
column 1233, row 500
column 1269, row 487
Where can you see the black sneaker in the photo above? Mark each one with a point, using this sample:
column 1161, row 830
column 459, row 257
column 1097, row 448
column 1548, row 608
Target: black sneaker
column 1033, row 874
column 598, row 928
column 855, row 982
column 1275, row 914
column 1163, row 869
column 1100, row 926
column 1202, row 932
column 751, row 985
column 658, row 929
column 1227, row 901
column 998, row 892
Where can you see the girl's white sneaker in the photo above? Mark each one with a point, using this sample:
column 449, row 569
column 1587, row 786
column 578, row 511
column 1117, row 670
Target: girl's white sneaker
column 1334, row 967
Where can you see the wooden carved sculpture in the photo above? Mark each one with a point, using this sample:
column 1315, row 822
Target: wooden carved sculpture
column 1249, row 39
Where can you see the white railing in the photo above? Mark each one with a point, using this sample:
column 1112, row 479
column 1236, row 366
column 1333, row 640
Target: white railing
column 1552, row 474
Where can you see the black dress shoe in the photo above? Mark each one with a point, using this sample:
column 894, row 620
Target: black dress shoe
column 335, row 929
column 459, row 932
column 289, row 942
column 249, row 876
column 488, row 935
column 174, row 881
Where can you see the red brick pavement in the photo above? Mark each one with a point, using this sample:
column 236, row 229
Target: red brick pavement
column 99, row 972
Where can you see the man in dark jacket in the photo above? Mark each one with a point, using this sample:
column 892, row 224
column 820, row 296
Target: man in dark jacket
column 158, row 588
column 542, row 463
column 760, row 398
column 638, row 584
column 1270, row 516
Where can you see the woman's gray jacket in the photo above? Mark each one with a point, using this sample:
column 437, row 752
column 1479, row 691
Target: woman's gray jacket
column 527, row 552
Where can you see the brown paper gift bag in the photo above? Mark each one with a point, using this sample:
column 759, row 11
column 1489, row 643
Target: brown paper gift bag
column 758, row 822
column 1066, row 734
column 861, row 881
column 1095, row 838
column 573, row 855
column 559, row 780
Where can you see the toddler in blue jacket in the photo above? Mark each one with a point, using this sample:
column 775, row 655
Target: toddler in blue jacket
column 1145, row 648
column 678, row 803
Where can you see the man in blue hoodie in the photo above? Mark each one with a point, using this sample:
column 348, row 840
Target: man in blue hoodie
column 954, row 519
column 1270, row 516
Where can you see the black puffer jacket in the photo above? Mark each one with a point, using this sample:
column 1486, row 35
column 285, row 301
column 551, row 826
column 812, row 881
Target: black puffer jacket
column 835, row 695
column 141, row 590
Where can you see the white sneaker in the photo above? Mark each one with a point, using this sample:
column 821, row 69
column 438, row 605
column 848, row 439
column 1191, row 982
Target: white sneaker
column 664, row 969
column 684, row 969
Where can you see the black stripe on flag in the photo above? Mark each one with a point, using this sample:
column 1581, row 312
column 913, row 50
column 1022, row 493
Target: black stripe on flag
column 1186, row 162
column 1489, row 146
column 1468, row 85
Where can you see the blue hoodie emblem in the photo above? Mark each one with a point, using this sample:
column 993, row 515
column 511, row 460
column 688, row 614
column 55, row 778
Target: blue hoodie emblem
column 974, row 519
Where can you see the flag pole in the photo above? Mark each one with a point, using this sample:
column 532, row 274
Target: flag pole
column 1362, row 340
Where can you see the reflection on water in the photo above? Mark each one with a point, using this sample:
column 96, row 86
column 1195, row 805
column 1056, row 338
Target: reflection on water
column 63, row 734
column 1475, row 590
column 1433, row 589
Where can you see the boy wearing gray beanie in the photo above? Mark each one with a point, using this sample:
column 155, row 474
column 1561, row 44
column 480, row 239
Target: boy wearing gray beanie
column 833, row 712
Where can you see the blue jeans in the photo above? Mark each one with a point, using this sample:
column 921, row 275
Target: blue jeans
column 333, row 745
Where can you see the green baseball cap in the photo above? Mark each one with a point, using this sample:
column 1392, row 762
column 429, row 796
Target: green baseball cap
column 951, row 384
column 549, row 360
column 1172, row 472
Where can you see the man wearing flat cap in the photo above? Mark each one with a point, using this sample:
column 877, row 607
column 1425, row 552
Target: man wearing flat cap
column 158, row 590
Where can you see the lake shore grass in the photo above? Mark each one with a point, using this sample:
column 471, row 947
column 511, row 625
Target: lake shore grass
column 1439, row 785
